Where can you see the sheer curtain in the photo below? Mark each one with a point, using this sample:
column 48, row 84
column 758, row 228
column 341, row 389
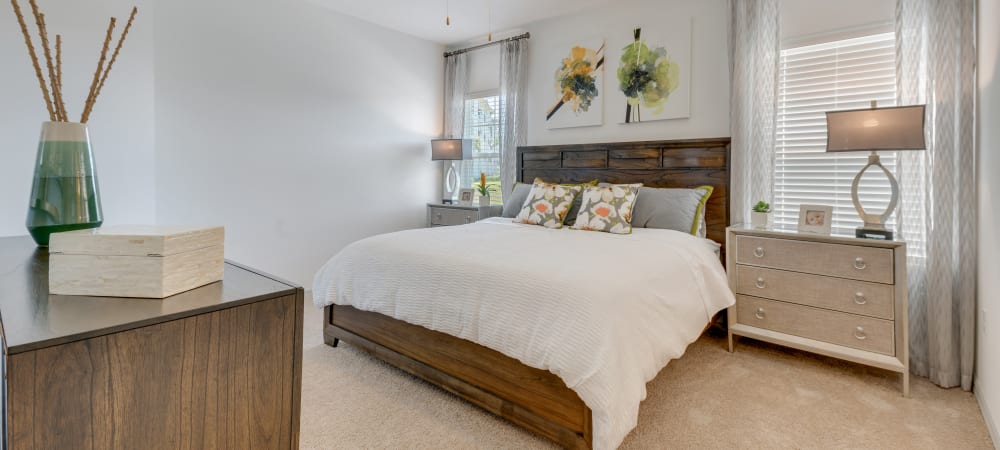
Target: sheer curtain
column 754, row 50
column 513, row 81
column 456, row 84
column 935, row 49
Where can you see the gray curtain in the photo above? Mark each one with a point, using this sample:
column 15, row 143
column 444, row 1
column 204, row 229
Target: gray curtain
column 935, row 49
column 754, row 50
column 513, row 83
column 456, row 84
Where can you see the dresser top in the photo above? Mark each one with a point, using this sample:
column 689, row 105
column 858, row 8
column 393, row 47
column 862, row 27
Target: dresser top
column 31, row 318
column 463, row 207
column 792, row 233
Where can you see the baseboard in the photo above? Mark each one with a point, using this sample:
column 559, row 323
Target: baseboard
column 991, row 423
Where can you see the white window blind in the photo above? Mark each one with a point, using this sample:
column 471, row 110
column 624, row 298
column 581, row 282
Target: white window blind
column 846, row 74
column 484, row 125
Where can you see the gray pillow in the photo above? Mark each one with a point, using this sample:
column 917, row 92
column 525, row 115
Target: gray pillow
column 513, row 203
column 671, row 209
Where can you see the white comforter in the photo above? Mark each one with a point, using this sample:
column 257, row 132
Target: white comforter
column 604, row 312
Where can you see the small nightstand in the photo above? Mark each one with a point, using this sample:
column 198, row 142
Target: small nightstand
column 439, row 215
column 838, row 296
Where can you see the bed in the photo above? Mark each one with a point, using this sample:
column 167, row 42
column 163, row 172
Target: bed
column 542, row 368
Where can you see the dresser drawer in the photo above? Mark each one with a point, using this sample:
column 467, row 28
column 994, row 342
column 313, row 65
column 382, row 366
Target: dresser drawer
column 446, row 216
column 837, row 260
column 849, row 330
column 852, row 296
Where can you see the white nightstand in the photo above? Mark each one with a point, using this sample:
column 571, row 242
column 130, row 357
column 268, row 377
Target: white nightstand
column 439, row 215
column 838, row 296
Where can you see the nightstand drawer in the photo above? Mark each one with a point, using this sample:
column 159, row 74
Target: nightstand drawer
column 447, row 216
column 837, row 260
column 852, row 296
column 849, row 330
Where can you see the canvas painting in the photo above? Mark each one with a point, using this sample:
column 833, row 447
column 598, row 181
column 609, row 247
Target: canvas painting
column 653, row 72
column 578, row 97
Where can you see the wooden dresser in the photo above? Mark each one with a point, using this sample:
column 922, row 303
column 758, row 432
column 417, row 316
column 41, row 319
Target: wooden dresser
column 439, row 215
column 834, row 295
column 215, row 367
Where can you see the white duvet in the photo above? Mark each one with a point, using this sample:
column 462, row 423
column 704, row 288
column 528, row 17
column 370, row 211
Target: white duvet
column 604, row 312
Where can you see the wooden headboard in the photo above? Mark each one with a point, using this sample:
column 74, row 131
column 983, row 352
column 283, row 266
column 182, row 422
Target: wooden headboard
column 682, row 163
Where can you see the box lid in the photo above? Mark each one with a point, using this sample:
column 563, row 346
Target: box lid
column 136, row 240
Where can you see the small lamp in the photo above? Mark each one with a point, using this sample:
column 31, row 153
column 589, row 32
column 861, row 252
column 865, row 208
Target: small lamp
column 875, row 129
column 450, row 150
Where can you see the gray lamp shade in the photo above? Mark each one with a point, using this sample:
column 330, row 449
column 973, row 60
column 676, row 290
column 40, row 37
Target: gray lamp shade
column 451, row 149
column 873, row 129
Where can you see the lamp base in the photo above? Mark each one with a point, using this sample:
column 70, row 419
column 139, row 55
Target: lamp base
column 872, row 233
column 447, row 201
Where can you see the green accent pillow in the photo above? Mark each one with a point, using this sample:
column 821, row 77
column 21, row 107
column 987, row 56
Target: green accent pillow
column 672, row 209
column 607, row 208
column 547, row 204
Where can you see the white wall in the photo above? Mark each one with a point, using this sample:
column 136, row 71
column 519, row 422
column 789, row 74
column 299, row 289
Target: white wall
column 806, row 22
column 987, row 383
column 298, row 129
column 709, row 70
column 121, row 125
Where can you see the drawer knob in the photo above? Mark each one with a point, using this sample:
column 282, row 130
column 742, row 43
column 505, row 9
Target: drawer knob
column 859, row 298
column 859, row 263
column 859, row 333
column 760, row 313
column 758, row 252
column 760, row 283
column 438, row 215
column 468, row 219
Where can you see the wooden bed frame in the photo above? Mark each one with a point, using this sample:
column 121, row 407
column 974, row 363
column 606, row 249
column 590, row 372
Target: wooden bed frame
column 532, row 398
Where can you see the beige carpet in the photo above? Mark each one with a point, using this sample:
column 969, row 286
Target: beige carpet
column 762, row 396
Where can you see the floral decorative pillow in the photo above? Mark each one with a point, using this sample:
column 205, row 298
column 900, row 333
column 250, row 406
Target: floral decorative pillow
column 547, row 204
column 607, row 208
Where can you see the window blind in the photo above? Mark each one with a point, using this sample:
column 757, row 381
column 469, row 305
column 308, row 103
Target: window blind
column 840, row 75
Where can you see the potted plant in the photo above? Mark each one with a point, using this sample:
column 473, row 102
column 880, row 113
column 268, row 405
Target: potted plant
column 484, row 190
column 760, row 217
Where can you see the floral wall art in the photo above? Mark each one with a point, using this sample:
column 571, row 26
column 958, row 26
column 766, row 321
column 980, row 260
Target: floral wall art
column 579, row 87
column 653, row 75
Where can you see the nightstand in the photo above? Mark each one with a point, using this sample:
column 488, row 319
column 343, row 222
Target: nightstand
column 439, row 215
column 838, row 296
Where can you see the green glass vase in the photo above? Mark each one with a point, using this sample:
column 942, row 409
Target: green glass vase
column 64, row 194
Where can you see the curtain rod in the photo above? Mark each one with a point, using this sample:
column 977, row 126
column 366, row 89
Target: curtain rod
column 477, row 47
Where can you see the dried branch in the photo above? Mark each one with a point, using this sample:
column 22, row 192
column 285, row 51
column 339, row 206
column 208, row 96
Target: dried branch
column 34, row 60
column 97, row 73
column 114, row 57
column 62, row 104
column 44, row 35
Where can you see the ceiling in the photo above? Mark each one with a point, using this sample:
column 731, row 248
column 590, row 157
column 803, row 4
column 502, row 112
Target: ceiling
column 469, row 18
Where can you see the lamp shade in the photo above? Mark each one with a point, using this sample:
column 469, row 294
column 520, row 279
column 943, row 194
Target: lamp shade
column 450, row 149
column 894, row 128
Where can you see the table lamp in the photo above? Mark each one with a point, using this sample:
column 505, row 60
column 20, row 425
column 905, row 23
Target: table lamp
column 875, row 129
column 450, row 150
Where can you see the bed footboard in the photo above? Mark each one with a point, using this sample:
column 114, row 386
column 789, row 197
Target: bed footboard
column 531, row 398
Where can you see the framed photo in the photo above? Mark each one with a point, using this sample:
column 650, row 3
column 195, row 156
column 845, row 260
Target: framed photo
column 815, row 218
column 465, row 196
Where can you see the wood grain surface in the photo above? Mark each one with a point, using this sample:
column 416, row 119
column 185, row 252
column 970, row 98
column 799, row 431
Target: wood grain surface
column 225, row 379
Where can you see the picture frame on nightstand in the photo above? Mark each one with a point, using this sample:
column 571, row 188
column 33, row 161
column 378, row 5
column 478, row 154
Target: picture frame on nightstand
column 815, row 219
column 465, row 196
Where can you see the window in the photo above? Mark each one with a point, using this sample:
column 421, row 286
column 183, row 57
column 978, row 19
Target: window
column 839, row 75
column 484, row 125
